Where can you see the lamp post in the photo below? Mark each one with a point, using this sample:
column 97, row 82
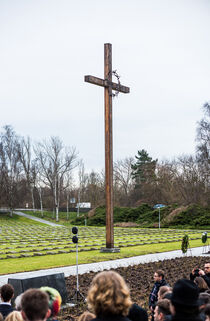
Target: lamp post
column 159, row 206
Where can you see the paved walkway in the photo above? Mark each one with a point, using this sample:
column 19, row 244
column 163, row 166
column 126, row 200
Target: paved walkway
column 31, row 217
column 100, row 266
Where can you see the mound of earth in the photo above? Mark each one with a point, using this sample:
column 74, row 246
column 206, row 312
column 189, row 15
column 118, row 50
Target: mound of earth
column 138, row 277
column 169, row 218
column 92, row 212
column 126, row 224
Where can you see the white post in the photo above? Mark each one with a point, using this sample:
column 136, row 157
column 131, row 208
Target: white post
column 78, row 203
column 159, row 217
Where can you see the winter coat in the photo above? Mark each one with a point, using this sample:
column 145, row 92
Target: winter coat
column 5, row 309
column 206, row 278
column 111, row 317
column 153, row 297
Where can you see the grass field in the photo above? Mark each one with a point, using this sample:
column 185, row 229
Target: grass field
column 28, row 245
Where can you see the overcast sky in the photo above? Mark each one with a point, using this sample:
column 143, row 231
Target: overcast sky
column 161, row 50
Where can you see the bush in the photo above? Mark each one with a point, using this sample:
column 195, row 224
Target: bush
column 194, row 216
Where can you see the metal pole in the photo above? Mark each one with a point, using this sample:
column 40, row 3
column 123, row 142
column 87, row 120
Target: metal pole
column 77, row 267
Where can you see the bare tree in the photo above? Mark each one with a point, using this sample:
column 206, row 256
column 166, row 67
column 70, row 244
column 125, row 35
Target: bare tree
column 203, row 146
column 29, row 166
column 55, row 162
column 95, row 191
column 10, row 164
column 122, row 175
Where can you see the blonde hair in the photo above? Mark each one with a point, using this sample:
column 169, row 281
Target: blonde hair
column 109, row 294
column 86, row 316
column 14, row 316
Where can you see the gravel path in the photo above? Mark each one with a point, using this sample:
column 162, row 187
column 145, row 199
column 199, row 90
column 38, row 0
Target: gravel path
column 100, row 266
column 31, row 217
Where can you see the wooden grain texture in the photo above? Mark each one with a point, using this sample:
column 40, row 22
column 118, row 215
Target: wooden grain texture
column 108, row 87
column 106, row 83
column 108, row 146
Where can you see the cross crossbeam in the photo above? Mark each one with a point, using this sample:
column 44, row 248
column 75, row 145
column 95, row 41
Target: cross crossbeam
column 108, row 87
column 107, row 83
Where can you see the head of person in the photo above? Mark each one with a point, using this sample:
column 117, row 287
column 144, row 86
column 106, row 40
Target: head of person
column 207, row 268
column 201, row 284
column 207, row 312
column 7, row 292
column 167, row 295
column 109, row 295
column 204, row 299
column 18, row 306
column 163, row 289
column 162, row 309
column 86, row 316
column 35, row 305
column 137, row 313
column 14, row 316
column 184, row 298
column 158, row 275
column 54, row 300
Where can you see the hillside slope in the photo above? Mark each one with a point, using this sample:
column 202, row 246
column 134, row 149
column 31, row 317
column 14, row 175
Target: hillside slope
column 192, row 216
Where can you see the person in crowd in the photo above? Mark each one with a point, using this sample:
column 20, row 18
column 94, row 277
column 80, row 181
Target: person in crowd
column 18, row 306
column 35, row 305
column 207, row 312
column 162, row 309
column 163, row 290
column 153, row 298
column 14, row 316
column 1, row 317
column 205, row 274
column 109, row 297
column 7, row 293
column 54, row 301
column 204, row 299
column 86, row 316
column 184, row 301
column 137, row 313
column 201, row 284
column 167, row 295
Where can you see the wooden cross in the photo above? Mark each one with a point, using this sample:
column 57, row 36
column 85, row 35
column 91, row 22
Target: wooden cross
column 108, row 87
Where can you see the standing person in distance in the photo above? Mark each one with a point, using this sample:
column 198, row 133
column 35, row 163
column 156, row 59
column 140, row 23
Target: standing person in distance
column 153, row 298
column 205, row 273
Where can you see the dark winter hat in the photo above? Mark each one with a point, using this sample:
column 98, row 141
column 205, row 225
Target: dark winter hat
column 185, row 293
column 137, row 313
column 167, row 295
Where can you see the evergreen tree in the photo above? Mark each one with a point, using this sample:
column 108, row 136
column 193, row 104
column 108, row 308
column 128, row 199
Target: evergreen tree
column 143, row 171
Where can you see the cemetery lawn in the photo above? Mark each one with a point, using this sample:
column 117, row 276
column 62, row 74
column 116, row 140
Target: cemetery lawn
column 59, row 260
column 27, row 245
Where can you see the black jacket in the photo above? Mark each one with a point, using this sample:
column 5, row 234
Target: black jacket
column 206, row 278
column 153, row 297
column 5, row 309
column 185, row 317
column 110, row 318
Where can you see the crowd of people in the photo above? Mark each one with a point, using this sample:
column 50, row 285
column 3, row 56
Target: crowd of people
column 109, row 299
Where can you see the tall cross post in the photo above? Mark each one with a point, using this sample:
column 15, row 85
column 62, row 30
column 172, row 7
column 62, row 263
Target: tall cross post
column 108, row 87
